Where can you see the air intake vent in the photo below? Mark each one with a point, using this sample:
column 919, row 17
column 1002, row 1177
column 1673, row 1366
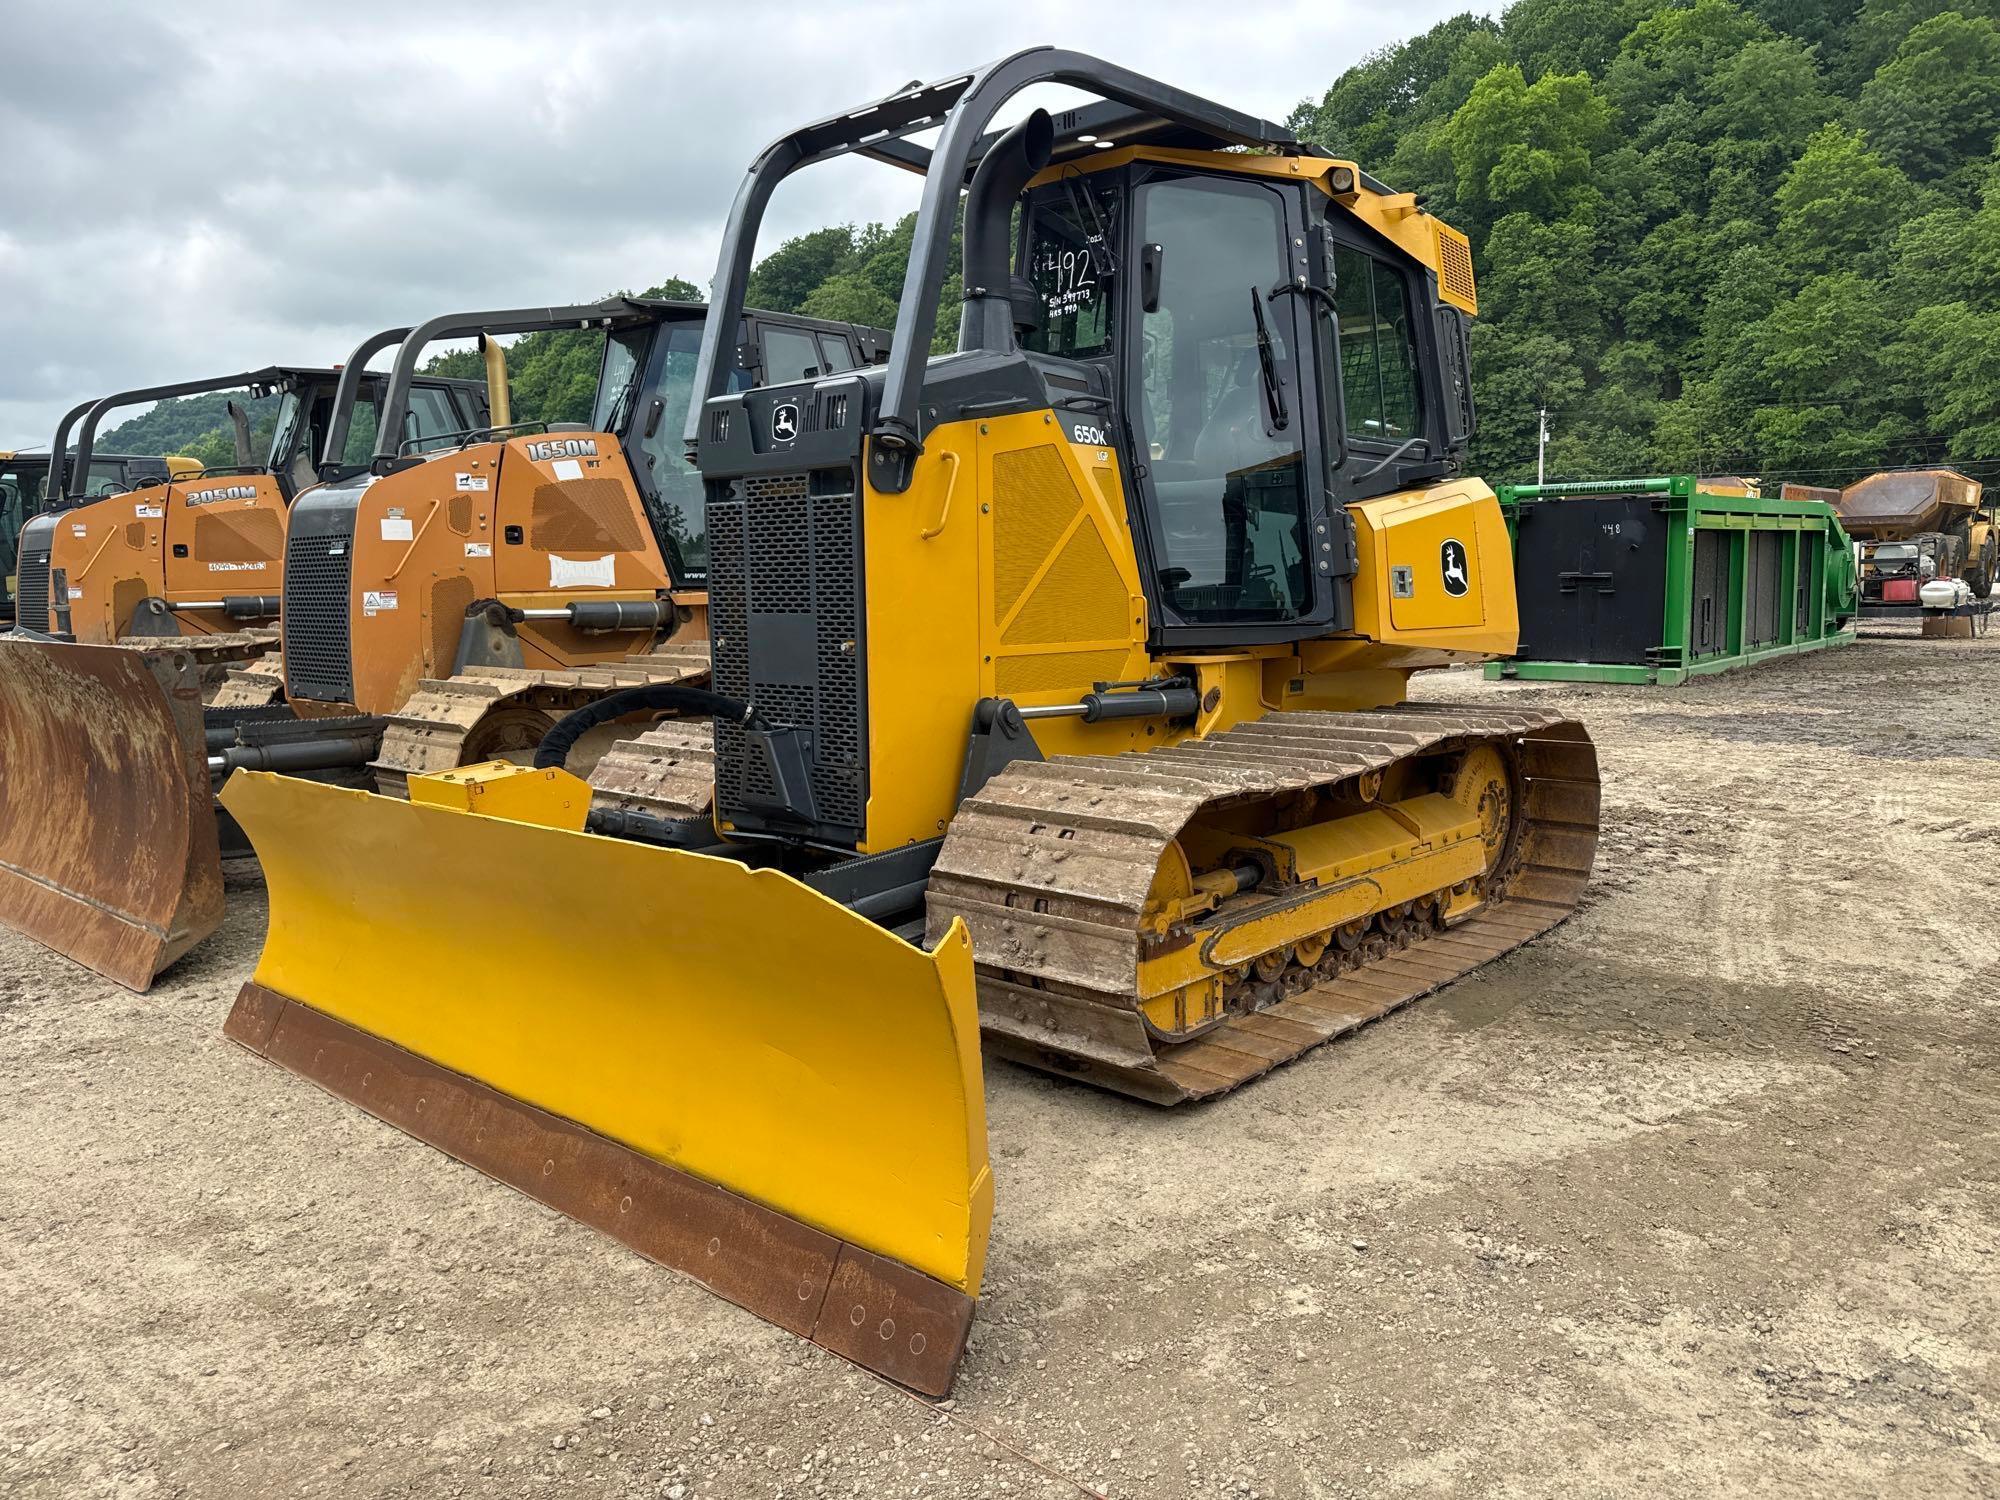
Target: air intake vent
column 31, row 589
column 319, row 560
column 238, row 536
column 785, row 607
column 1455, row 269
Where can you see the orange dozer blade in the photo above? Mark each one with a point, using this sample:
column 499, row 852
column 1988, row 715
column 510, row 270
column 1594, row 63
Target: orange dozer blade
column 108, row 845
column 716, row 1065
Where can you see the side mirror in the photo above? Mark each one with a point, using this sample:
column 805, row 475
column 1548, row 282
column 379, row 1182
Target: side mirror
column 1150, row 258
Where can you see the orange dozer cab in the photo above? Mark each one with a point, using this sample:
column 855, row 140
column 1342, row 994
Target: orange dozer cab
column 1058, row 696
column 471, row 594
column 198, row 555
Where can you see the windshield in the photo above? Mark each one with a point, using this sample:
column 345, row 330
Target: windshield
column 657, row 412
column 618, row 383
column 290, row 411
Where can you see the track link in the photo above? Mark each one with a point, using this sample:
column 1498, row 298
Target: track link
column 446, row 717
column 258, row 683
column 1052, row 862
column 669, row 770
column 216, row 657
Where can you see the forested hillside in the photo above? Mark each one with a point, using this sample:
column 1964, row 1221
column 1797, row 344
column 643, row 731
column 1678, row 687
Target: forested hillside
column 195, row 425
column 1759, row 238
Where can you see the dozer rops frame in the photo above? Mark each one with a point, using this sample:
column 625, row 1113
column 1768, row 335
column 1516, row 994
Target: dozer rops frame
column 1084, row 652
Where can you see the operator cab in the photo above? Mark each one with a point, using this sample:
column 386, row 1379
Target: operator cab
column 645, row 386
column 1251, row 337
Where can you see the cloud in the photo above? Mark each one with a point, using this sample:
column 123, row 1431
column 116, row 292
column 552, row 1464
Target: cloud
column 204, row 188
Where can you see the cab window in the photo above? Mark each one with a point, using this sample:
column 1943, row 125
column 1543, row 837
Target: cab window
column 361, row 431
column 1378, row 355
column 790, row 355
column 430, row 417
column 835, row 354
column 1072, row 226
column 670, row 484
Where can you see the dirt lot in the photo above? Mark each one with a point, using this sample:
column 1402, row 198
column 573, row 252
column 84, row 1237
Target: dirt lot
column 1698, row 1195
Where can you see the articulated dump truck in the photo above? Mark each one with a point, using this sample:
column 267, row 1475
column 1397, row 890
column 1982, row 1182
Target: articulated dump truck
column 451, row 581
column 1057, row 697
column 1915, row 525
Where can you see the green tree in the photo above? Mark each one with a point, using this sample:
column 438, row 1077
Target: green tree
column 1365, row 112
column 1679, row 52
column 1879, row 28
column 1520, row 146
column 1953, row 354
column 1933, row 108
column 1566, row 36
column 1838, row 206
column 788, row 275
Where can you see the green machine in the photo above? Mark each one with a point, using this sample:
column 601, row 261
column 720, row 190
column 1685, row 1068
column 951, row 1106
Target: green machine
column 1659, row 580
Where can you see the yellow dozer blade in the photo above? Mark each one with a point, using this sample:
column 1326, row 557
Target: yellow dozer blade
column 108, row 847
column 715, row 1065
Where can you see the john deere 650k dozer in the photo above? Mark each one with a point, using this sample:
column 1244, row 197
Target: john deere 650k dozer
column 1057, row 693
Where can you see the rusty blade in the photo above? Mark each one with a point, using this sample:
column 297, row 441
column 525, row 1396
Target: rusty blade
column 881, row 1315
column 108, row 848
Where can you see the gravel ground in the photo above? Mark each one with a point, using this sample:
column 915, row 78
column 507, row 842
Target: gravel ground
column 1697, row 1195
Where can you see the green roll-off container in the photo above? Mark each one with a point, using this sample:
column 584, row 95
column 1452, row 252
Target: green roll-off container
column 1658, row 580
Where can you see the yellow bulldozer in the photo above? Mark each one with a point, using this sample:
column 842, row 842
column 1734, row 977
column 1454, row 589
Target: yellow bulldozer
column 452, row 580
column 1057, row 696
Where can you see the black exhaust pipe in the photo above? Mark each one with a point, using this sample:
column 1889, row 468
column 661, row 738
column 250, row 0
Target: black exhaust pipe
column 987, row 319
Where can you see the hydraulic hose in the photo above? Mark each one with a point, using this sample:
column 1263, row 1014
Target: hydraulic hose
column 556, row 745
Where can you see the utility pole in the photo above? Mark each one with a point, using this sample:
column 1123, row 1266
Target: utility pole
column 1542, row 450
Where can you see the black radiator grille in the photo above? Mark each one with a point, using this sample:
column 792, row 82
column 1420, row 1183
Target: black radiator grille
column 783, row 546
column 319, row 558
column 31, row 589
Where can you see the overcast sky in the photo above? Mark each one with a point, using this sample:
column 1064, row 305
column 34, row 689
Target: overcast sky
column 191, row 188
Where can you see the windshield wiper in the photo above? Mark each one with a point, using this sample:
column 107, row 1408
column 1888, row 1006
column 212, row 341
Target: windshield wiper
column 616, row 414
column 1267, row 363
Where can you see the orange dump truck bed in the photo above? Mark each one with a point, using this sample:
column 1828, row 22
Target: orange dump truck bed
column 1905, row 502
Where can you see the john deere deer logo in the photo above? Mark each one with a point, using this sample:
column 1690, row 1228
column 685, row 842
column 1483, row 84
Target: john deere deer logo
column 784, row 421
column 1451, row 562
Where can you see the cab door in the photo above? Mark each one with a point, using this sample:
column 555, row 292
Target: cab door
column 1222, row 400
